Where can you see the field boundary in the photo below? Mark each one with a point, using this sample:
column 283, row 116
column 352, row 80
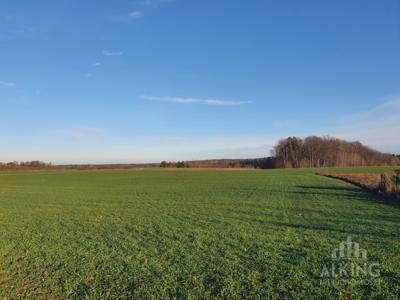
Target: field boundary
column 360, row 184
column 348, row 180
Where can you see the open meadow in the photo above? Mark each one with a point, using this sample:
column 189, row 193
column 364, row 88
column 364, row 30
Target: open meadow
column 190, row 234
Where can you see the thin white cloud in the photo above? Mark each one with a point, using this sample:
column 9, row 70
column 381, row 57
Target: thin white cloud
column 96, row 64
column 17, row 25
column 136, row 14
column 174, row 137
column 7, row 84
column 194, row 148
column 145, row 2
column 88, row 75
column 378, row 127
column 182, row 100
column 80, row 133
column 153, row 2
column 112, row 53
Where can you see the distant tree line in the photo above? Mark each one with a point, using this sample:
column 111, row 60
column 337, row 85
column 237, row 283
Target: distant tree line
column 315, row 152
column 258, row 163
column 309, row 152
column 106, row 166
column 292, row 152
column 178, row 164
column 35, row 164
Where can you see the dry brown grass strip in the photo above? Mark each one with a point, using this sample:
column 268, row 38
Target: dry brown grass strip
column 368, row 181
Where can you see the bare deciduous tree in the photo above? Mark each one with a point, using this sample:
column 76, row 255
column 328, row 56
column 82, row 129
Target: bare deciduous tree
column 315, row 152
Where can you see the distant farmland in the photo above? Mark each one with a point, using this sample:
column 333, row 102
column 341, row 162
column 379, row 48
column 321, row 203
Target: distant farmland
column 190, row 234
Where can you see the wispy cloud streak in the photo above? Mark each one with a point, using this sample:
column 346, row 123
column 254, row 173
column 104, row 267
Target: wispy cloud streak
column 182, row 100
column 7, row 84
column 111, row 53
column 137, row 14
column 80, row 133
column 153, row 2
column 378, row 127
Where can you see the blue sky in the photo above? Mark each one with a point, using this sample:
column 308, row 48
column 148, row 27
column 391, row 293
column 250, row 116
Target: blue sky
column 140, row 81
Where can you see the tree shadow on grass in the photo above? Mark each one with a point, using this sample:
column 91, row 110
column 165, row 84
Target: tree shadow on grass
column 340, row 195
column 329, row 188
column 352, row 192
column 349, row 230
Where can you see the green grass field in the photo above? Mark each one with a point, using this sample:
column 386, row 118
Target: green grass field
column 165, row 234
